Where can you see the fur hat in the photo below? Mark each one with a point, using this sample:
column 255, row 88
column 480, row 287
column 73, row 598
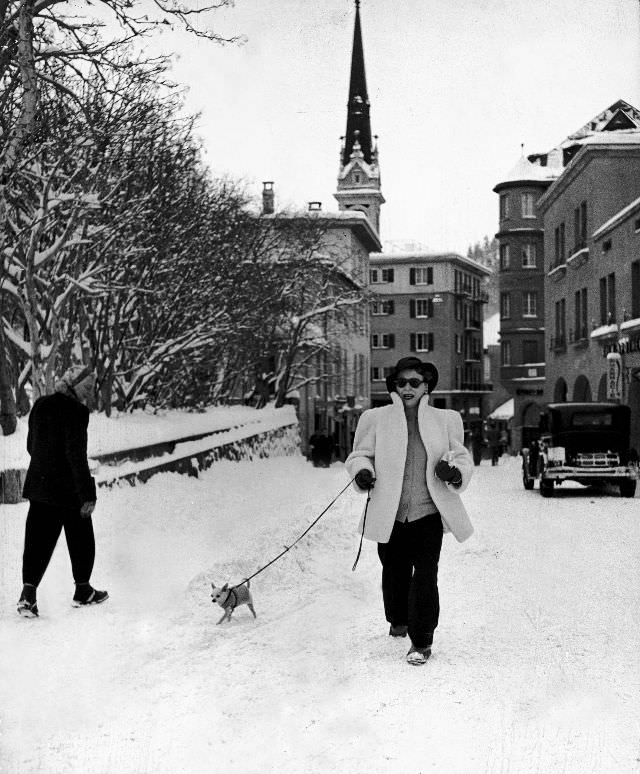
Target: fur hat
column 72, row 377
column 428, row 370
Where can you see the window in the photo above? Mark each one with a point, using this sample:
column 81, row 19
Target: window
column 379, row 374
column 505, row 352
column 505, row 305
column 529, row 303
column 580, row 226
column 635, row 290
column 421, row 276
column 528, row 256
column 526, row 200
column 608, row 299
column 504, row 257
column 378, row 276
column 560, row 325
column 383, row 341
column 504, row 206
column 458, row 308
column 421, row 342
column 560, row 244
column 580, row 315
column 529, row 351
column 458, row 344
column 383, row 308
column 420, row 307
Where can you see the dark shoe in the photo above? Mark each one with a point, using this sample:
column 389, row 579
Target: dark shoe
column 398, row 631
column 418, row 656
column 27, row 608
column 87, row 595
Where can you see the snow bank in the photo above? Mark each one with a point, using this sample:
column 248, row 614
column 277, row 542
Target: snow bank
column 140, row 428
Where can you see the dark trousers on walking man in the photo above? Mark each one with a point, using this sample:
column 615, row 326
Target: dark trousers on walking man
column 410, row 577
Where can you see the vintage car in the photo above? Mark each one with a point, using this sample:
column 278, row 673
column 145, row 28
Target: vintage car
column 583, row 442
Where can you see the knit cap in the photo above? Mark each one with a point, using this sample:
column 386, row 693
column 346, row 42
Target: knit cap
column 72, row 377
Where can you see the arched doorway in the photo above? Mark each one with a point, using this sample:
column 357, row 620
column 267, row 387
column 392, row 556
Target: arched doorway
column 602, row 388
column 560, row 391
column 582, row 390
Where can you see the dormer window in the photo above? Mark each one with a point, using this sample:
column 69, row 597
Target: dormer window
column 356, row 178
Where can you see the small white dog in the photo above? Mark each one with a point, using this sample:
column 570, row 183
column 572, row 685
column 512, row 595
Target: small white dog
column 229, row 599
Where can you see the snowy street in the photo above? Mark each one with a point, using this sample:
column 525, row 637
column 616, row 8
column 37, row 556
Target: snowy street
column 535, row 669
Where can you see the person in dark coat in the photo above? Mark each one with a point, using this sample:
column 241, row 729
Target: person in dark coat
column 493, row 439
column 60, row 489
column 321, row 450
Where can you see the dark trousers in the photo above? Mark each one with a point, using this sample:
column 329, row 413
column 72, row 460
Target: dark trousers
column 410, row 577
column 44, row 524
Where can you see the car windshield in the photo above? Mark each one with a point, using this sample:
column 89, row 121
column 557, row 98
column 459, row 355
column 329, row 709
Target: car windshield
column 591, row 420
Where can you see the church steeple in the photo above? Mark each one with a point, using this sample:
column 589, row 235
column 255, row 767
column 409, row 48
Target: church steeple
column 359, row 175
column 358, row 106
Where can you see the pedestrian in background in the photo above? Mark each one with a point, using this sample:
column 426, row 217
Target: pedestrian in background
column 493, row 439
column 412, row 458
column 60, row 489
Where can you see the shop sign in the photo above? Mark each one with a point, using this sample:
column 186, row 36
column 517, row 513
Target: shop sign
column 614, row 376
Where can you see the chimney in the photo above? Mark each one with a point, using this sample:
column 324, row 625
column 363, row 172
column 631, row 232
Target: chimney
column 315, row 206
column 268, row 207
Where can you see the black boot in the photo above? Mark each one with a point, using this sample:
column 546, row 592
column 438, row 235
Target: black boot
column 27, row 605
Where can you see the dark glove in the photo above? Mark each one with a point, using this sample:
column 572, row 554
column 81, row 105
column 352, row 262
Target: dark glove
column 448, row 473
column 364, row 479
column 86, row 509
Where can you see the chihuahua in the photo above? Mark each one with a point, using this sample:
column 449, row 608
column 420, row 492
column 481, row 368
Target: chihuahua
column 229, row 599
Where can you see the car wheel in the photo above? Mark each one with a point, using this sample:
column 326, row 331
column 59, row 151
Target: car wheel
column 628, row 488
column 546, row 487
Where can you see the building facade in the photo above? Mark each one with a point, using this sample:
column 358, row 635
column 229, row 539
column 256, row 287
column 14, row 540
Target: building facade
column 430, row 305
column 592, row 286
column 521, row 288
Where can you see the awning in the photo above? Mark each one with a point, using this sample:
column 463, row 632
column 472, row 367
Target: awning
column 505, row 411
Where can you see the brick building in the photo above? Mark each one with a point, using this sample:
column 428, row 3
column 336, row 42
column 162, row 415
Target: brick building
column 430, row 305
column 593, row 275
column 521, row 284
column 580, row 274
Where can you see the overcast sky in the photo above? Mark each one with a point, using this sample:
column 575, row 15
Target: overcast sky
column 455, row 87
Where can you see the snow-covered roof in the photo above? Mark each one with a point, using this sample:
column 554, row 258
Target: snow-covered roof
column 616, row 219
column 525, row 171
column 416, row 257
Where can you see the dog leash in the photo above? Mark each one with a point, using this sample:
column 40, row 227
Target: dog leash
column 364, row 521
column 297, row 540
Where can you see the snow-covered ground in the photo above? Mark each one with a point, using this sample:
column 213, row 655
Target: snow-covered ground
column 536, row 664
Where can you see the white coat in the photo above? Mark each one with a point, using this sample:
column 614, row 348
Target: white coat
column 380, row 445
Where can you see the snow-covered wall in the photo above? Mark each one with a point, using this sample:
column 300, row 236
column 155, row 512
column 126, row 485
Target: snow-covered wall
column 234, row 433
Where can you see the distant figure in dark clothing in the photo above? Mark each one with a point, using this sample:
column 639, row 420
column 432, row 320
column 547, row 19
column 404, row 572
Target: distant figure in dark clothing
column 60, row 489
column 477, row 444
column 493, row 439
column 321, row 450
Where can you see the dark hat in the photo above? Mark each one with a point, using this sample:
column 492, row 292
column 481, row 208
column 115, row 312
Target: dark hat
column 428, row 370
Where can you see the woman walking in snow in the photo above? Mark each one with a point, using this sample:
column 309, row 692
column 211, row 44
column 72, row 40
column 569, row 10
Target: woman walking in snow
column 413, row 459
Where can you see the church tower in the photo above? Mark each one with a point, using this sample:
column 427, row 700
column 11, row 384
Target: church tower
column 359, row 174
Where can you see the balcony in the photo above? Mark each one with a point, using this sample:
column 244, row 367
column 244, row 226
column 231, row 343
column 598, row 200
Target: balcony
column 476, row 386
column 579, row 336
column 557, row 271
column 579, row 255
column 558, row 343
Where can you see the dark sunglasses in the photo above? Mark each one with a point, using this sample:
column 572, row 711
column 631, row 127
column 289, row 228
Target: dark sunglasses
column 412, row 382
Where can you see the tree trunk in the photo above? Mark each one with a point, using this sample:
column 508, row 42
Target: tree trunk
column 8, row 420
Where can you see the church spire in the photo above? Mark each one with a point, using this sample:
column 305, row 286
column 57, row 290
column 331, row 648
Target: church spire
column 358, row 105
